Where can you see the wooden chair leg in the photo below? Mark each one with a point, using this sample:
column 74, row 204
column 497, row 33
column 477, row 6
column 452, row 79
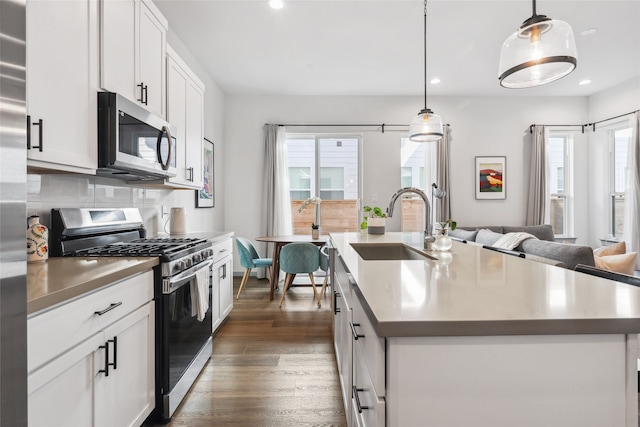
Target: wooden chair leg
column 245, row 278
column 324, row 286
column 287, row 280
column 315, row 291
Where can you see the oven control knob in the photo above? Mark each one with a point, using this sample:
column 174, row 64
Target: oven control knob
column 187, row 263
column 197, row 258
column 178, row 266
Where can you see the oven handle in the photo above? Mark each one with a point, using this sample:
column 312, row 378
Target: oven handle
column 169, row 285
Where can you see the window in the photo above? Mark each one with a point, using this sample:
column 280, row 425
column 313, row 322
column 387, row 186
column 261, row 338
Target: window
column 327, row 167
column 416, row 160
column 559, row 156
column 620, row 139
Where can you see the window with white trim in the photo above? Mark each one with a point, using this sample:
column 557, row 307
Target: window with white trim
column 559, row 152
column 619, row 147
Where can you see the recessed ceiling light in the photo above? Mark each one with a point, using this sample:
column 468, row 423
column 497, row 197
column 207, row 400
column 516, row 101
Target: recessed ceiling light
column 435, row 81
column 276, row 4
column 584, row 82
column 589, row 32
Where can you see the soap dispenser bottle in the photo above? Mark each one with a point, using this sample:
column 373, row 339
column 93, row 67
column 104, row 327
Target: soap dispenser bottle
column 37, row 240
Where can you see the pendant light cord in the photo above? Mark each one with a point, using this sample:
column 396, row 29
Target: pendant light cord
column 425, row 54
column 534, row 8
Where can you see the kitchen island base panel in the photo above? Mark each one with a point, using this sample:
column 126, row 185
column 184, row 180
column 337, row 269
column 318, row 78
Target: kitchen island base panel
column 532, row 380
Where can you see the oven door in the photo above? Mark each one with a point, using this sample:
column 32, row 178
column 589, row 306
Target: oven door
column 185, row 341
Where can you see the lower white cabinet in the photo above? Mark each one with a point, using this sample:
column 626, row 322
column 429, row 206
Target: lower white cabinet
column 127, row 395
column 342, row 338
column 222, row 272
column 104, row 376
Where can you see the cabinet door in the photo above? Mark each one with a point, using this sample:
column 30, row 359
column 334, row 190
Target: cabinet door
column 60, row 90
column 151, row 56
column 176, row 115
column 226, row 288
column 194, row 131
column 126, row 397
column 343, row 344
column 61, row 392
column 117, row 47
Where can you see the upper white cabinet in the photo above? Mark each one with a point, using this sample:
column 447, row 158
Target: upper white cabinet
column 185, row 110
column 62, row 40
column 132, row 52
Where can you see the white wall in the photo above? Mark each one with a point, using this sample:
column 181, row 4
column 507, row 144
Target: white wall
column 481, row 126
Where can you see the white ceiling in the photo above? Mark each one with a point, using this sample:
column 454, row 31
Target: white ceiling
column 361, row 47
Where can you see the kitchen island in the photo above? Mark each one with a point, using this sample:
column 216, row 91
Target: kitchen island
column 480, row 338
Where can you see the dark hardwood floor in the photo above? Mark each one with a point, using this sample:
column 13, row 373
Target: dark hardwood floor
column 270, row 366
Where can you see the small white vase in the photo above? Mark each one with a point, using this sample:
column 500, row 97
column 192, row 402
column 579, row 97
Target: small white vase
column 315, row 233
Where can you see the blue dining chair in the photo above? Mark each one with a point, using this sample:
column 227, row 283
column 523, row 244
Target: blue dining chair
column 324, row 266
column 250, row 259
column 297, row 258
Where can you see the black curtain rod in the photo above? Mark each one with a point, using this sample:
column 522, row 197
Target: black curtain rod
column 382, row 125
column 593, row 125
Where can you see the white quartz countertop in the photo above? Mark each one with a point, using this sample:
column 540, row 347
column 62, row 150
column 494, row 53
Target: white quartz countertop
column 475, row 291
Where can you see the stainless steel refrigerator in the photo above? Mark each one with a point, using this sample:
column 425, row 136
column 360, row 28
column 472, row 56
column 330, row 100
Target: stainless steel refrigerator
column 13, row 194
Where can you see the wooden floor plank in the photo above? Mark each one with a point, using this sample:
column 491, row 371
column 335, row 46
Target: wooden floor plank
column 271, row 366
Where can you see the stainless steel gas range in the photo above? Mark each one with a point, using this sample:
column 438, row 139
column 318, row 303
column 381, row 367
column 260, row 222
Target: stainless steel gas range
column 183, row 343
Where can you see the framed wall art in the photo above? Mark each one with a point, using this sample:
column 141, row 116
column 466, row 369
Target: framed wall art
column 491, row 178
column 205, row 197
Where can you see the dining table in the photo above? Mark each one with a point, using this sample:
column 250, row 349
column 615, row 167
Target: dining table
column 278, row 243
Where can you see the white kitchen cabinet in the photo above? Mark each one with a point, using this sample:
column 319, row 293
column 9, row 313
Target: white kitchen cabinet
column 222, row 272
column 133, row 47
column 185, row 110
column 342, row 339
column 91, row 361
column 127, row 396
column 62, row 85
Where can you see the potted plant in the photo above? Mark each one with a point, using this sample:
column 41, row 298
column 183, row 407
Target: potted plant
column 374, row 223
column 315, row 231
column 443, row 241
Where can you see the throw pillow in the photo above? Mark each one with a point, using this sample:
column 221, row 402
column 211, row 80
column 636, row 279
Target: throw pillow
column 615, row 249
column 620, row 263
column 468, row 235
column 487, row 237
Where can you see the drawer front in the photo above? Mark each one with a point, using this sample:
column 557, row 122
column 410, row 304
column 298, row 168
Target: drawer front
column 368, row 409
column 371, row 347
column 222, row 249
column 342, row 277
column 53, row 332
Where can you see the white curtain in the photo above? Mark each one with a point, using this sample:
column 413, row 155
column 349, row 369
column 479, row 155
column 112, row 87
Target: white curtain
column 537, row 198
column 277, row 201
column 632, row 195
column 442, row 207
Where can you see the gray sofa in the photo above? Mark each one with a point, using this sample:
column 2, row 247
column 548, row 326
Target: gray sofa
column 543, row 249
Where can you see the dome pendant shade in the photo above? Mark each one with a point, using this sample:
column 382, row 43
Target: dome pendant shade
column 425, row 127
column 541, row 51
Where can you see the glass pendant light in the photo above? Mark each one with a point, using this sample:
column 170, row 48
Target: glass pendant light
column 426, row 126
column 541, row 51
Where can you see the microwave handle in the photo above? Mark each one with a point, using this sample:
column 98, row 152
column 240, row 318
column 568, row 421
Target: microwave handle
column 165, row 131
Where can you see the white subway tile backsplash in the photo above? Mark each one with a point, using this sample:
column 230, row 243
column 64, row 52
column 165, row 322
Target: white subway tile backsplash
column 48, row 191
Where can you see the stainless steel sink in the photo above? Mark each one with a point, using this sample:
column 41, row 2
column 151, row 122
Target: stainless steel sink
column 389, row 252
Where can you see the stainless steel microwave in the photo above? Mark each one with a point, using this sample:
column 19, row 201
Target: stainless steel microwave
column 133, row 144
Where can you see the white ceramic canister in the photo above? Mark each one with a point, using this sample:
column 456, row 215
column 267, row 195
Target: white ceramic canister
column 177, row 221
column 37, row 240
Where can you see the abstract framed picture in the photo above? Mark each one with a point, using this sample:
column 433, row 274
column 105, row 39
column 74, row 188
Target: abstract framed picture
column 205, row 197
column 491, row 178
